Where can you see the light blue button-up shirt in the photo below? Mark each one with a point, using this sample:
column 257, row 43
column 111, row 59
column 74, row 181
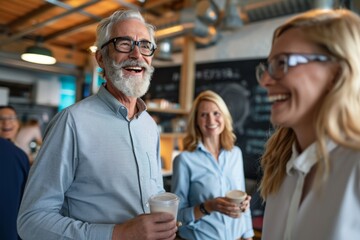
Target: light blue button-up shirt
column 95, row 168
column 197, row 177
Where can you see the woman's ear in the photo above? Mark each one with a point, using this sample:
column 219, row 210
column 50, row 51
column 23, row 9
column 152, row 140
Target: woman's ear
column 336, row 75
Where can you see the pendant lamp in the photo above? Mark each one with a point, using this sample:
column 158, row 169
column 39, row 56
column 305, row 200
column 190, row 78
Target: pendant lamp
column 37, row 54
column 165, row 50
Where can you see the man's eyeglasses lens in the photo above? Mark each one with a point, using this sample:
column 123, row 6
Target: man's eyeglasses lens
column 126, row 45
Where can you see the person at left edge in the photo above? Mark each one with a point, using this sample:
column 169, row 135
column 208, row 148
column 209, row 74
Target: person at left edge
column 100, row 162
column 9, row 123
column 13, row 174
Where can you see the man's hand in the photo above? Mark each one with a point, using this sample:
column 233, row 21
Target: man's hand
column 154, row 226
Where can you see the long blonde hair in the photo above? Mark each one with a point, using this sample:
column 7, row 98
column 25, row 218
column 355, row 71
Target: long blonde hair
column 338, row 32
column 193, row 134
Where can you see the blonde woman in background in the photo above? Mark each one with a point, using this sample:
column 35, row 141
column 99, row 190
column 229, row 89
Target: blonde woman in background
column 210, row 166
column 311, row 163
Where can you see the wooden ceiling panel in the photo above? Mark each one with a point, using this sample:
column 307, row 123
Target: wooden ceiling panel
column 37, row 17
column 12, row 10
column 103, row 7
column 65, row 22
column 81, row 40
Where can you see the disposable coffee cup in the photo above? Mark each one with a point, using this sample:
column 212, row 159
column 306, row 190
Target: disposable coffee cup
column 236, row 196
column 164, row 202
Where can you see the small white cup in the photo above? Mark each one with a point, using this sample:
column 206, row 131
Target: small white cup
column 164, row 202
column 236, row 196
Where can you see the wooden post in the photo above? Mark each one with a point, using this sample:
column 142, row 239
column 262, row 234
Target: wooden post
column 187, row 80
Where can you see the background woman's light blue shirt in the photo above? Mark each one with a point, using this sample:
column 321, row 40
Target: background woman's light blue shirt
column 197, row 177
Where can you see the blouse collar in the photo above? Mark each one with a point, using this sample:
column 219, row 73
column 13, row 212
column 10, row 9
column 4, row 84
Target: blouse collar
column 304, row 161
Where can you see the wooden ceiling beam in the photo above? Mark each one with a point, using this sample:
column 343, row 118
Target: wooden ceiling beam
column 28, row 17
column 45, row 23
column 69, row 7
column 71, row 30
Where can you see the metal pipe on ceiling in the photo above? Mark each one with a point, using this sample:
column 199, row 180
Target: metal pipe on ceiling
column 188, row 23
column 69, row 7
column 325, row 4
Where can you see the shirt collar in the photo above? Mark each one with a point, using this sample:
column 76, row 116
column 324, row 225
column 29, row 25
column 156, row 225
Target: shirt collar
column 141, row 106
column 201, row 146
column 117, row 106
column 303, row 162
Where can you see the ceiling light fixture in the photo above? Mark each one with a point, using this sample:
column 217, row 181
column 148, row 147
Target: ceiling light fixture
column 164, row 50
column 93, row 49
column 207, row 12
column 40, row 55
column 232, row 19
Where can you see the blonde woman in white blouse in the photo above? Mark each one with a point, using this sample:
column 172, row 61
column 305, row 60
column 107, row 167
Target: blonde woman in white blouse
column 311, row 163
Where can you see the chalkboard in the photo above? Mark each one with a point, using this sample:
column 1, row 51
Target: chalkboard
column 236, row 83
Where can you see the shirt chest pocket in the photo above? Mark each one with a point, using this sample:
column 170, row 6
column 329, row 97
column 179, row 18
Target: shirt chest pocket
column 153, row 165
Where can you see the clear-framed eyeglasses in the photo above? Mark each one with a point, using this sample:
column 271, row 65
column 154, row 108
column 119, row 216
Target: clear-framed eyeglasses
column 126, row 45
column 279, row 65
column 8, row 118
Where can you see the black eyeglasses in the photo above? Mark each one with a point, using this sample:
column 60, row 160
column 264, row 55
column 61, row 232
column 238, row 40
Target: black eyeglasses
column 126, row 45
column 278, row 66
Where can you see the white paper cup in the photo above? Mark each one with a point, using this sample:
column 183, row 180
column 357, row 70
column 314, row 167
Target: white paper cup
column 164, row 202
column 236, row 196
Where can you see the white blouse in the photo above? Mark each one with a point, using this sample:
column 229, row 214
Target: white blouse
column 329, row 213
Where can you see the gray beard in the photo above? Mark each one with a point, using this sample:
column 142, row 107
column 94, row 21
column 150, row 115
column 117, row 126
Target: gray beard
column 132, row 86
